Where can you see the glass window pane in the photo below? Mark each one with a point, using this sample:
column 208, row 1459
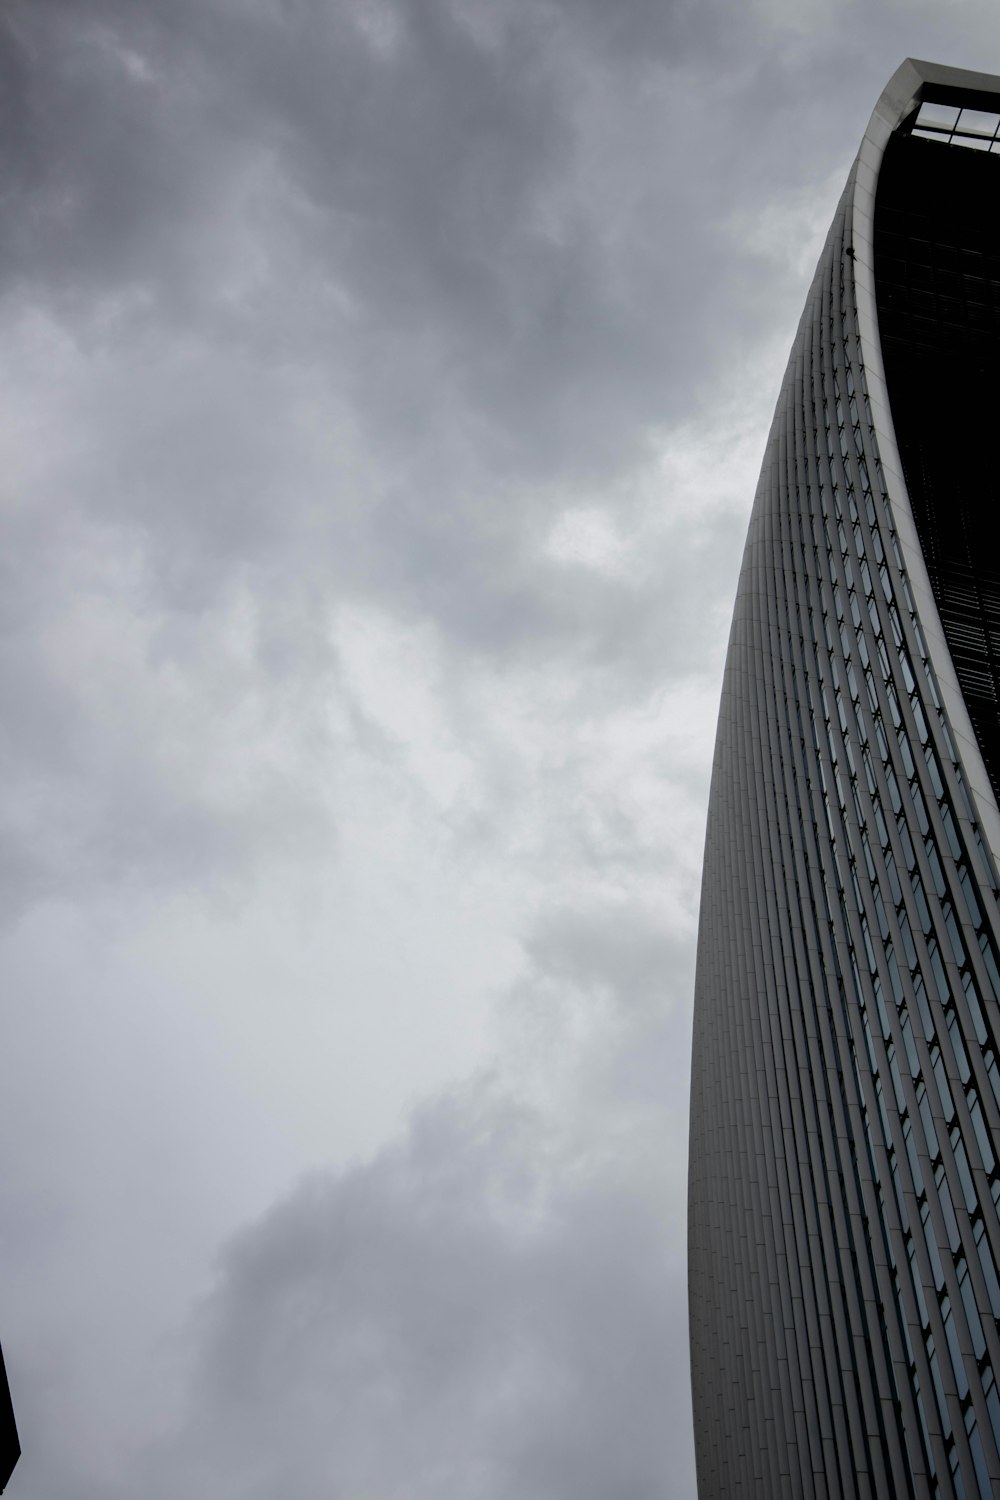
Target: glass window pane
column 978, row 122
column 942, row 115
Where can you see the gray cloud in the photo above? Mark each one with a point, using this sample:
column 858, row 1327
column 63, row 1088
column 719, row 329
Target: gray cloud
column 425, row 1327
column 466, row 224
column 445, row 231
column 488, row 1307
column 491, row 1305
column 318, row 310
column 617, row 948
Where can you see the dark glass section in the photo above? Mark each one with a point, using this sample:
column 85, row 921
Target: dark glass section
column 10, row 1448
column 937, row 277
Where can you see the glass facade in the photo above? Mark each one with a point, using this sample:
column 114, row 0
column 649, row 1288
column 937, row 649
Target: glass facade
column 844, row 1232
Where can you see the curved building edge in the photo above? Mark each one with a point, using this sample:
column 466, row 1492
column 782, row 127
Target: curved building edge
column 903, row 94
column 854, row 1388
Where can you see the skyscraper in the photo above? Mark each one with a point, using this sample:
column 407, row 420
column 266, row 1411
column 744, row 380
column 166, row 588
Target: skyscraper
column 844, row 1230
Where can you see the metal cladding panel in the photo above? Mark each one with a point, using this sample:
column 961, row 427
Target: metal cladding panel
column 844, row 1237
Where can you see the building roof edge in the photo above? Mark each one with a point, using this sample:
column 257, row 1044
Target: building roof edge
column 915, row 80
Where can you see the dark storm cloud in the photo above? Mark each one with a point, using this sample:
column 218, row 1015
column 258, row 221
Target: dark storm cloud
column 488, row 225
column 483, row 250
column 323, row 302
column 466, row 219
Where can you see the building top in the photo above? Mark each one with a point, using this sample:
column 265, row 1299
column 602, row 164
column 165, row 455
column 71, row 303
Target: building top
column 915, row 81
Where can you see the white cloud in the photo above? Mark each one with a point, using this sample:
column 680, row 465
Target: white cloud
column 587, row 537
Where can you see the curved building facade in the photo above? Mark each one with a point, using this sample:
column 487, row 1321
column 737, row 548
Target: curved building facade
column 844, row 1231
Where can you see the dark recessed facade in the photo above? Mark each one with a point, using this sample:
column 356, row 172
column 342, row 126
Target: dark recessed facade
column 844, row 1232
column 10, row 1448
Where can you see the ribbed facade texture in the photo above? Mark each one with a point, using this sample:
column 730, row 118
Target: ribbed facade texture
column 844, row 1232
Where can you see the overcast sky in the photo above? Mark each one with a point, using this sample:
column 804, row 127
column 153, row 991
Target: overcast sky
column 383, row 388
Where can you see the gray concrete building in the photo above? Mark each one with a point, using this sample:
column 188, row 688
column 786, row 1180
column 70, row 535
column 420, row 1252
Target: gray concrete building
column 844, row 1231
